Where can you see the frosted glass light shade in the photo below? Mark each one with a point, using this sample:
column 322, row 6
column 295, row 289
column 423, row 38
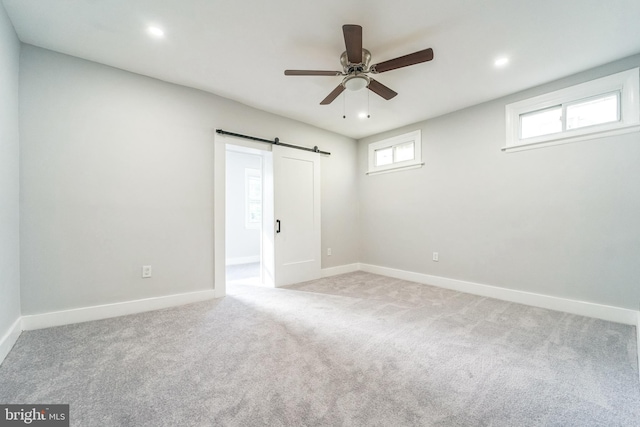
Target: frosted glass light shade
column 356, row 83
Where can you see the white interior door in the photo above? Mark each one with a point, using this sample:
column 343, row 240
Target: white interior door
column 297, row 215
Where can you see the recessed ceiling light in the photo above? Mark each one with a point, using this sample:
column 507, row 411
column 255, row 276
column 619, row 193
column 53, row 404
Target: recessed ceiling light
column 155, row 31
column 501, row 62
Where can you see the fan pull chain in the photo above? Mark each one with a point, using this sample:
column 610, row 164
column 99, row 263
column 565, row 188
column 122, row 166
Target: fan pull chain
column 344, row 105
column 368, row 111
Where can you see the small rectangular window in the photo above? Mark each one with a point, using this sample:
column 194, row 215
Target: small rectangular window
column 544, row 122
column 400, row 152
column 384, row 156
column 606, row 106
column 403, row 152
column 603, row 109
column 255, row 212
column 253, row 198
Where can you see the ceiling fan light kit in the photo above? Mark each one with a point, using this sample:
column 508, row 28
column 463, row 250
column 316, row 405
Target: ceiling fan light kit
column 356, row 82
column 355, row 65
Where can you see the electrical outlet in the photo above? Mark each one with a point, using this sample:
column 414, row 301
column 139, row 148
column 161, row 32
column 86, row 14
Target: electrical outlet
column 329, row 251
column 435, row 256
column 146, row 271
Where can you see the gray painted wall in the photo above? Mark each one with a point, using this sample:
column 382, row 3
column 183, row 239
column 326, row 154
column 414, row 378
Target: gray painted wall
column 117, row 172
column 560, row 221
column 9, row 176
column 241, row 242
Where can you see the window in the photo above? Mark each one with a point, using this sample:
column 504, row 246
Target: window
column 543, row 122
column 253, row 198
column 399, row 152
column 601, row 107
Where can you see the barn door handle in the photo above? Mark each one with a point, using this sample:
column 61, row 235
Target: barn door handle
column 278, row 222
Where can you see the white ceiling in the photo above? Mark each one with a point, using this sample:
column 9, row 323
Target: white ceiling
column 239, row 49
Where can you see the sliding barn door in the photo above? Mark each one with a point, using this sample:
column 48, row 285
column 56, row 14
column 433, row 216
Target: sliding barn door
column 297, row 215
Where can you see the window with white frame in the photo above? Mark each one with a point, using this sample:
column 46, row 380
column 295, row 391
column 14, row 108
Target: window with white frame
column 397, row 153
column 601, row 107
column 253, row 198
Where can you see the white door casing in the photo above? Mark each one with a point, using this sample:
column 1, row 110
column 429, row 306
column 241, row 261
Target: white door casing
column 297, row 215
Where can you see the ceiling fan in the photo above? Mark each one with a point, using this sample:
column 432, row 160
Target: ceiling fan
column 355, row 63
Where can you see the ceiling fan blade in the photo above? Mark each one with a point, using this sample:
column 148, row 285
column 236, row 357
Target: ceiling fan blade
column 311, row 73
column 403, row 61
column 333, row 95
column 353, row 42
column 377, row 87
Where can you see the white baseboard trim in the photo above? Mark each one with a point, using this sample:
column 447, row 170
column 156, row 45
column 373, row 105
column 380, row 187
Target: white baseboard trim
column 242, row 260
column 9, row 339
column 341, row 269
column 582, row 308
column 638, row 341
column 98, row 312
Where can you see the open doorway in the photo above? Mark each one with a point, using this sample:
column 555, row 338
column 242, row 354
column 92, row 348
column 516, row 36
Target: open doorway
column 248, row 205
column 289, row 243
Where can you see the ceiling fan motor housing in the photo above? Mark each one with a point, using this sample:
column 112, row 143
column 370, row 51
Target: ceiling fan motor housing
column 350, row 68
